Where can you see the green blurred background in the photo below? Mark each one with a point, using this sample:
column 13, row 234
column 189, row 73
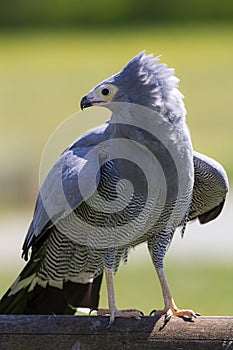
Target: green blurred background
column 51, row 54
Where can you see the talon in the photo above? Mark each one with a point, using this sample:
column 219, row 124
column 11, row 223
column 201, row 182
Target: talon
column 110, row 323
column 167, row 318
column 93, row 309
column 152, row 312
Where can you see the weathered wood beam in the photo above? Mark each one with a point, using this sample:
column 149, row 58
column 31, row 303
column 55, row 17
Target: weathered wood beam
column 81, row 332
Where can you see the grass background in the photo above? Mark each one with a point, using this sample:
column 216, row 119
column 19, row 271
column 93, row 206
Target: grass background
column 44, row 74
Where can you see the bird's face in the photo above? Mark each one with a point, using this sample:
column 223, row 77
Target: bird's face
column 101, row 95
column 143, row 81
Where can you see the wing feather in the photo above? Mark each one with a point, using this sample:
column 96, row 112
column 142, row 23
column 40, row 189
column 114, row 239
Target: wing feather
column 74, row 176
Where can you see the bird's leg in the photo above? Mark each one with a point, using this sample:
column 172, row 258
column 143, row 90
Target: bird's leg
column 111, row 297
column 112, row 311
column 157, row 247
column 170, row 308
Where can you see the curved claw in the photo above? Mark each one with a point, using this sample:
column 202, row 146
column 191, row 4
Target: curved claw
column 167, row 318
column 110, row 323
column 93, row 309
column 152, row 312
column 195, row 314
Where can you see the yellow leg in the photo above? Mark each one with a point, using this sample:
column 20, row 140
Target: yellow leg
column 112, row 311
column 170, row 308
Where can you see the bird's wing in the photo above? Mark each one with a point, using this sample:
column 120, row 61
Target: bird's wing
column 74, row 176
column 210, row 188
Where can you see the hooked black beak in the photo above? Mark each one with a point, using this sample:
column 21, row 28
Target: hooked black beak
column 85, row 102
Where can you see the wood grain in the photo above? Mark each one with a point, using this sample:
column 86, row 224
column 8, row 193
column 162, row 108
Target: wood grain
column 81, row 333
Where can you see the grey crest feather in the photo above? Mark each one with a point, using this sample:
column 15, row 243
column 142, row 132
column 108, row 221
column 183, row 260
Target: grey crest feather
column 147, row 82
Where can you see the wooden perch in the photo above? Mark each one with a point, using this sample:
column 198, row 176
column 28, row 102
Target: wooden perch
column 81, row 333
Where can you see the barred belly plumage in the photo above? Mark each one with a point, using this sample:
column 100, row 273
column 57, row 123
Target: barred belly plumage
column 85, row 241
column 66, row 260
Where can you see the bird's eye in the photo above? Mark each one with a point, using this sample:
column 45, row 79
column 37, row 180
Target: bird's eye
column 105, row 92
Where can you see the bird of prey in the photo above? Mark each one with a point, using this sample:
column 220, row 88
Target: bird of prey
column 134, row 179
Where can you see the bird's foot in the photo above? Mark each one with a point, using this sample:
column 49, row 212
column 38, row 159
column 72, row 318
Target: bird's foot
column 131, row 313
column 174, row 311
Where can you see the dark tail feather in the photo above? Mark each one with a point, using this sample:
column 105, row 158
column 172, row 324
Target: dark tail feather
column 49, row 300
column 211, row 214
column 15, row 302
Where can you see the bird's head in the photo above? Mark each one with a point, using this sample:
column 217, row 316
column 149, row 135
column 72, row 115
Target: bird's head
column 101, row 95
column 142, row 81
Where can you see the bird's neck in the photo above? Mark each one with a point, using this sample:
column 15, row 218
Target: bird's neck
column 146, row 126
column 128, row 119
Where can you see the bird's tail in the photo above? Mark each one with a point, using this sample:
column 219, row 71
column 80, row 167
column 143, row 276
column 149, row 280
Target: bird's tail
column 24, row 298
